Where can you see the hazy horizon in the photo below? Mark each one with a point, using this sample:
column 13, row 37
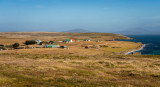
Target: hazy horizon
column 92, row 15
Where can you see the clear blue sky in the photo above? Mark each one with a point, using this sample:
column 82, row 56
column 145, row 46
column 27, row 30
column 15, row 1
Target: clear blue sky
column 93, row 15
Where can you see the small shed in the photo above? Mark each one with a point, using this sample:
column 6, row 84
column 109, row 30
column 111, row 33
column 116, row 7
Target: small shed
column 98, row 41
column 87, row 40
column 51, row 46
column 68, row 40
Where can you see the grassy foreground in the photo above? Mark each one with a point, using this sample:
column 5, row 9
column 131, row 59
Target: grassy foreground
column 45, row 70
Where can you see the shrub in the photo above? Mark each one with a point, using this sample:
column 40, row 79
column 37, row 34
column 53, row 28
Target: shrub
column 1, row 45
column 103, row 46
column 116, row 47
column 108, row 64
column 44, row 42
column 2, row 48
column 41, row 43
column 30, row 42
column 51, row 42
column 9, row 46
column 15, row 45
column 153, row 75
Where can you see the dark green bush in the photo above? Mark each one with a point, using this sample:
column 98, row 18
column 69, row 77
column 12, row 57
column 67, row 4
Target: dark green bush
column 15, row 45
column 103, row 46
column 30, row 42
column 1, row 45
column 51, row 42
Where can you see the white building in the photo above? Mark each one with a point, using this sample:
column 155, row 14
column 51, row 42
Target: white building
column 38, row 41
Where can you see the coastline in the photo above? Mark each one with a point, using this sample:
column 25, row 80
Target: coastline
column 138, row 49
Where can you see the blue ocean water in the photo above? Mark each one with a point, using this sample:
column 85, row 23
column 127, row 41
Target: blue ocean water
column 152, row 43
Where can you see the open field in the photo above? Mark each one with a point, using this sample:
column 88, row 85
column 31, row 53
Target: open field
column 78, row 48
column 102, row 64
column 45, row 70
column 11, row 37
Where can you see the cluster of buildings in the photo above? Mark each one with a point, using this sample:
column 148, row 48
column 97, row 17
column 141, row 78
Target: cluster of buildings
column 58, row 46
column 72, row 40
column 50, row 45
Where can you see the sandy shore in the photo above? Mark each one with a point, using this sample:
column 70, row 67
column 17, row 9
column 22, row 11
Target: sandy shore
column 138, row 49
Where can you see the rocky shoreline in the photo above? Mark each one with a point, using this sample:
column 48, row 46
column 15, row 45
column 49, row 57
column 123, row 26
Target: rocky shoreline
column 135, row 50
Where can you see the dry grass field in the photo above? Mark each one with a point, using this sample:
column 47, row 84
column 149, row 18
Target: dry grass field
column 11, row 37
column 47, row 70
column 78, row 48
column 103, row 64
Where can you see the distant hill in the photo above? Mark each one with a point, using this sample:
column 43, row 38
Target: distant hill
column 78, row 30
column 139, row 31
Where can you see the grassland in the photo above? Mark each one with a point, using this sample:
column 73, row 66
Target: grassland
column 45, row 70
column 11, row 37
column 103, row 66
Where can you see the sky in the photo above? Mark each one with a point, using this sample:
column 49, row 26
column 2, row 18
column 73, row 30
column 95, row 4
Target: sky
column 92, row 15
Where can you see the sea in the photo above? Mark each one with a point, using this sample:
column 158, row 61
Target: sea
column 151, row 43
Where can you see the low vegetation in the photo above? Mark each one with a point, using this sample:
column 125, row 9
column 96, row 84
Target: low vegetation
column 16, row 45
column 23, row 70
column 30, row 42
column 101, row 64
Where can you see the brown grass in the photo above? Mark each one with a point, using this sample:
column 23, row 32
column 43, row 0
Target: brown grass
column 77, row 48
column 11, row 37
column 76, row 66
column 52, row 70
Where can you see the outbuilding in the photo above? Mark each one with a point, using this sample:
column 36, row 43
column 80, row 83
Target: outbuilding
column 51, row 46
column 87, row 40
column 38, row 41
column 69, row 40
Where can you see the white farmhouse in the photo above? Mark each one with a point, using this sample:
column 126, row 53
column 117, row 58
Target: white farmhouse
column 38, row 41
